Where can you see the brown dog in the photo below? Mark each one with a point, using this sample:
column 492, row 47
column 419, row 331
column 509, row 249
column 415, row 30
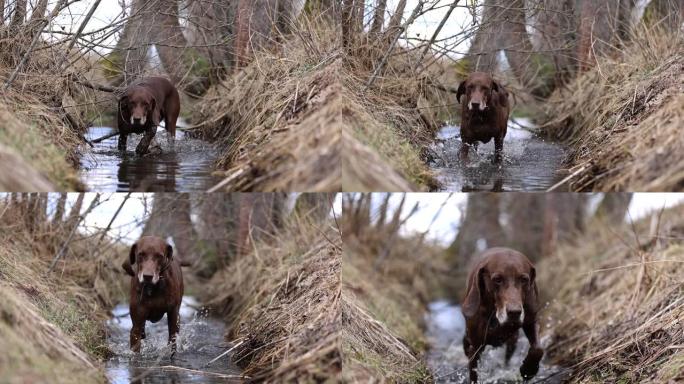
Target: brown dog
column 142, row 106
column 501, row 297
column 156, row 287
column 484, row 113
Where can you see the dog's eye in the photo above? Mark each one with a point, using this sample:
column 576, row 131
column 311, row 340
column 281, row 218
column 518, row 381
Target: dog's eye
column 497, row 279
column 524, row 279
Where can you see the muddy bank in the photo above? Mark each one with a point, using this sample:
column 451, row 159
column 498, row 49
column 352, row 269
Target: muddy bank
column 530, row 162
column 277, row 120
column 282, row 301
column 188, row 166
column 52, row 325
column 201, row 340
column 628, row 136
column 618, row 301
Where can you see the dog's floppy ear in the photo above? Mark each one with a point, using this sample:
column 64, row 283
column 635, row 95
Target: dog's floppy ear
column 473, row 293
column 531, row 303
column 169, row 252
column 461, row 90
column 154, row 112
column 123, row 100
column 127, row 265
column 496, row 86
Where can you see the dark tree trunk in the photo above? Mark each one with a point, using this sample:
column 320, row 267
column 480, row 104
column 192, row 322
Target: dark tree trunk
column 669, row 13
column 314, row 205
column 19, row 15
column 378, row 17
column 170, row 217
column 613, row 207
column 480, row 228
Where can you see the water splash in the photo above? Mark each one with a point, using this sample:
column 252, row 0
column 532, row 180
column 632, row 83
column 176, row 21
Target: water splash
column 530, row 163
column 185, row 167
column 200, row 340
column 449, row 364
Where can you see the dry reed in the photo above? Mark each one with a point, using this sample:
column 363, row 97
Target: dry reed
column 283, row 301
column 623, row 117
column 619, row 302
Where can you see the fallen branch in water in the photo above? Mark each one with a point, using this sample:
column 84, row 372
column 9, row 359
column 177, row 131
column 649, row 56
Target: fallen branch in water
column 225, row 353
column 215, row 374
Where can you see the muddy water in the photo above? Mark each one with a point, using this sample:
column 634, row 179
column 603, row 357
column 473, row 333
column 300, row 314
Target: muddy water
column 449, row 364
column 187, row 167
column 530, row 163
column 200, row 340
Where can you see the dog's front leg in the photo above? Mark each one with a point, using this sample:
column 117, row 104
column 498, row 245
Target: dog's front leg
column 174, row 326
column 141, row 149
column 530, row 365
column 498, row 150
column 473, row 352
column 123, row 137
column 136, row 335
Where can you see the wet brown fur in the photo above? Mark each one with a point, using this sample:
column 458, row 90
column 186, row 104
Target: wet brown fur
column 149, row 302
column 501, row 279
column 483, row 125
column 152, row 99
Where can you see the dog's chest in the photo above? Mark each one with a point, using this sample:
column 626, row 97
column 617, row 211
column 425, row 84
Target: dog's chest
column 498, row 335
column 479, row 128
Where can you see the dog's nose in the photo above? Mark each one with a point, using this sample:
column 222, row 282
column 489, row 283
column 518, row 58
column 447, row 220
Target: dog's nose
column 514, row 313
column 136, row 121
column 147, row 278
column 475, row 105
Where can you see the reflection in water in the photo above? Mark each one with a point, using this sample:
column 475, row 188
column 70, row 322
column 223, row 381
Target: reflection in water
column 530, row 163
column 449, row 364
column 186, row 167
column 200, row 340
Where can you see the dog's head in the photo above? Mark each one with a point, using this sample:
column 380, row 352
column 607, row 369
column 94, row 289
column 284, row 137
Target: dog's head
column 151, row 255
column 479, row 90
column 505, row 280
column 140, row 105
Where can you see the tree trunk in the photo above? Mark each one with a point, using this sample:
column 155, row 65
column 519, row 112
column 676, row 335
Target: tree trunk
column 378, row 17
column 526, row 235
column 59, row 209
column 480, row 228
column 347, row 23
column 39, row 10
column 669, row 13
column 170, row 217
column 19, row 15
column 314, row 205
column 553, row 35
column 613, row 207
column 210, row 29
column 601, row 25
column 482, row 54
column 74, row 214
column 127, row 61
column 242, row 34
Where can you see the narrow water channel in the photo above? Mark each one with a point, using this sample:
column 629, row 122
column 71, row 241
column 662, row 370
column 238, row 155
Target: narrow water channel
column 449, row 364
column 200, row 341
column 187, row 167
column 530, row 162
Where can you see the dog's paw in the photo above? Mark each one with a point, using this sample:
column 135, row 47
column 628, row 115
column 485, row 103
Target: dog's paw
column 530, row 365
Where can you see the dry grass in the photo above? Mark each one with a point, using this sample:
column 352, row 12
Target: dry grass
column 623, row 118
column 37, row 114
column 277, row 120
column 386, row 128
column 619, row 302
column 283, row 301
column 52, row 326
column 388, row 280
